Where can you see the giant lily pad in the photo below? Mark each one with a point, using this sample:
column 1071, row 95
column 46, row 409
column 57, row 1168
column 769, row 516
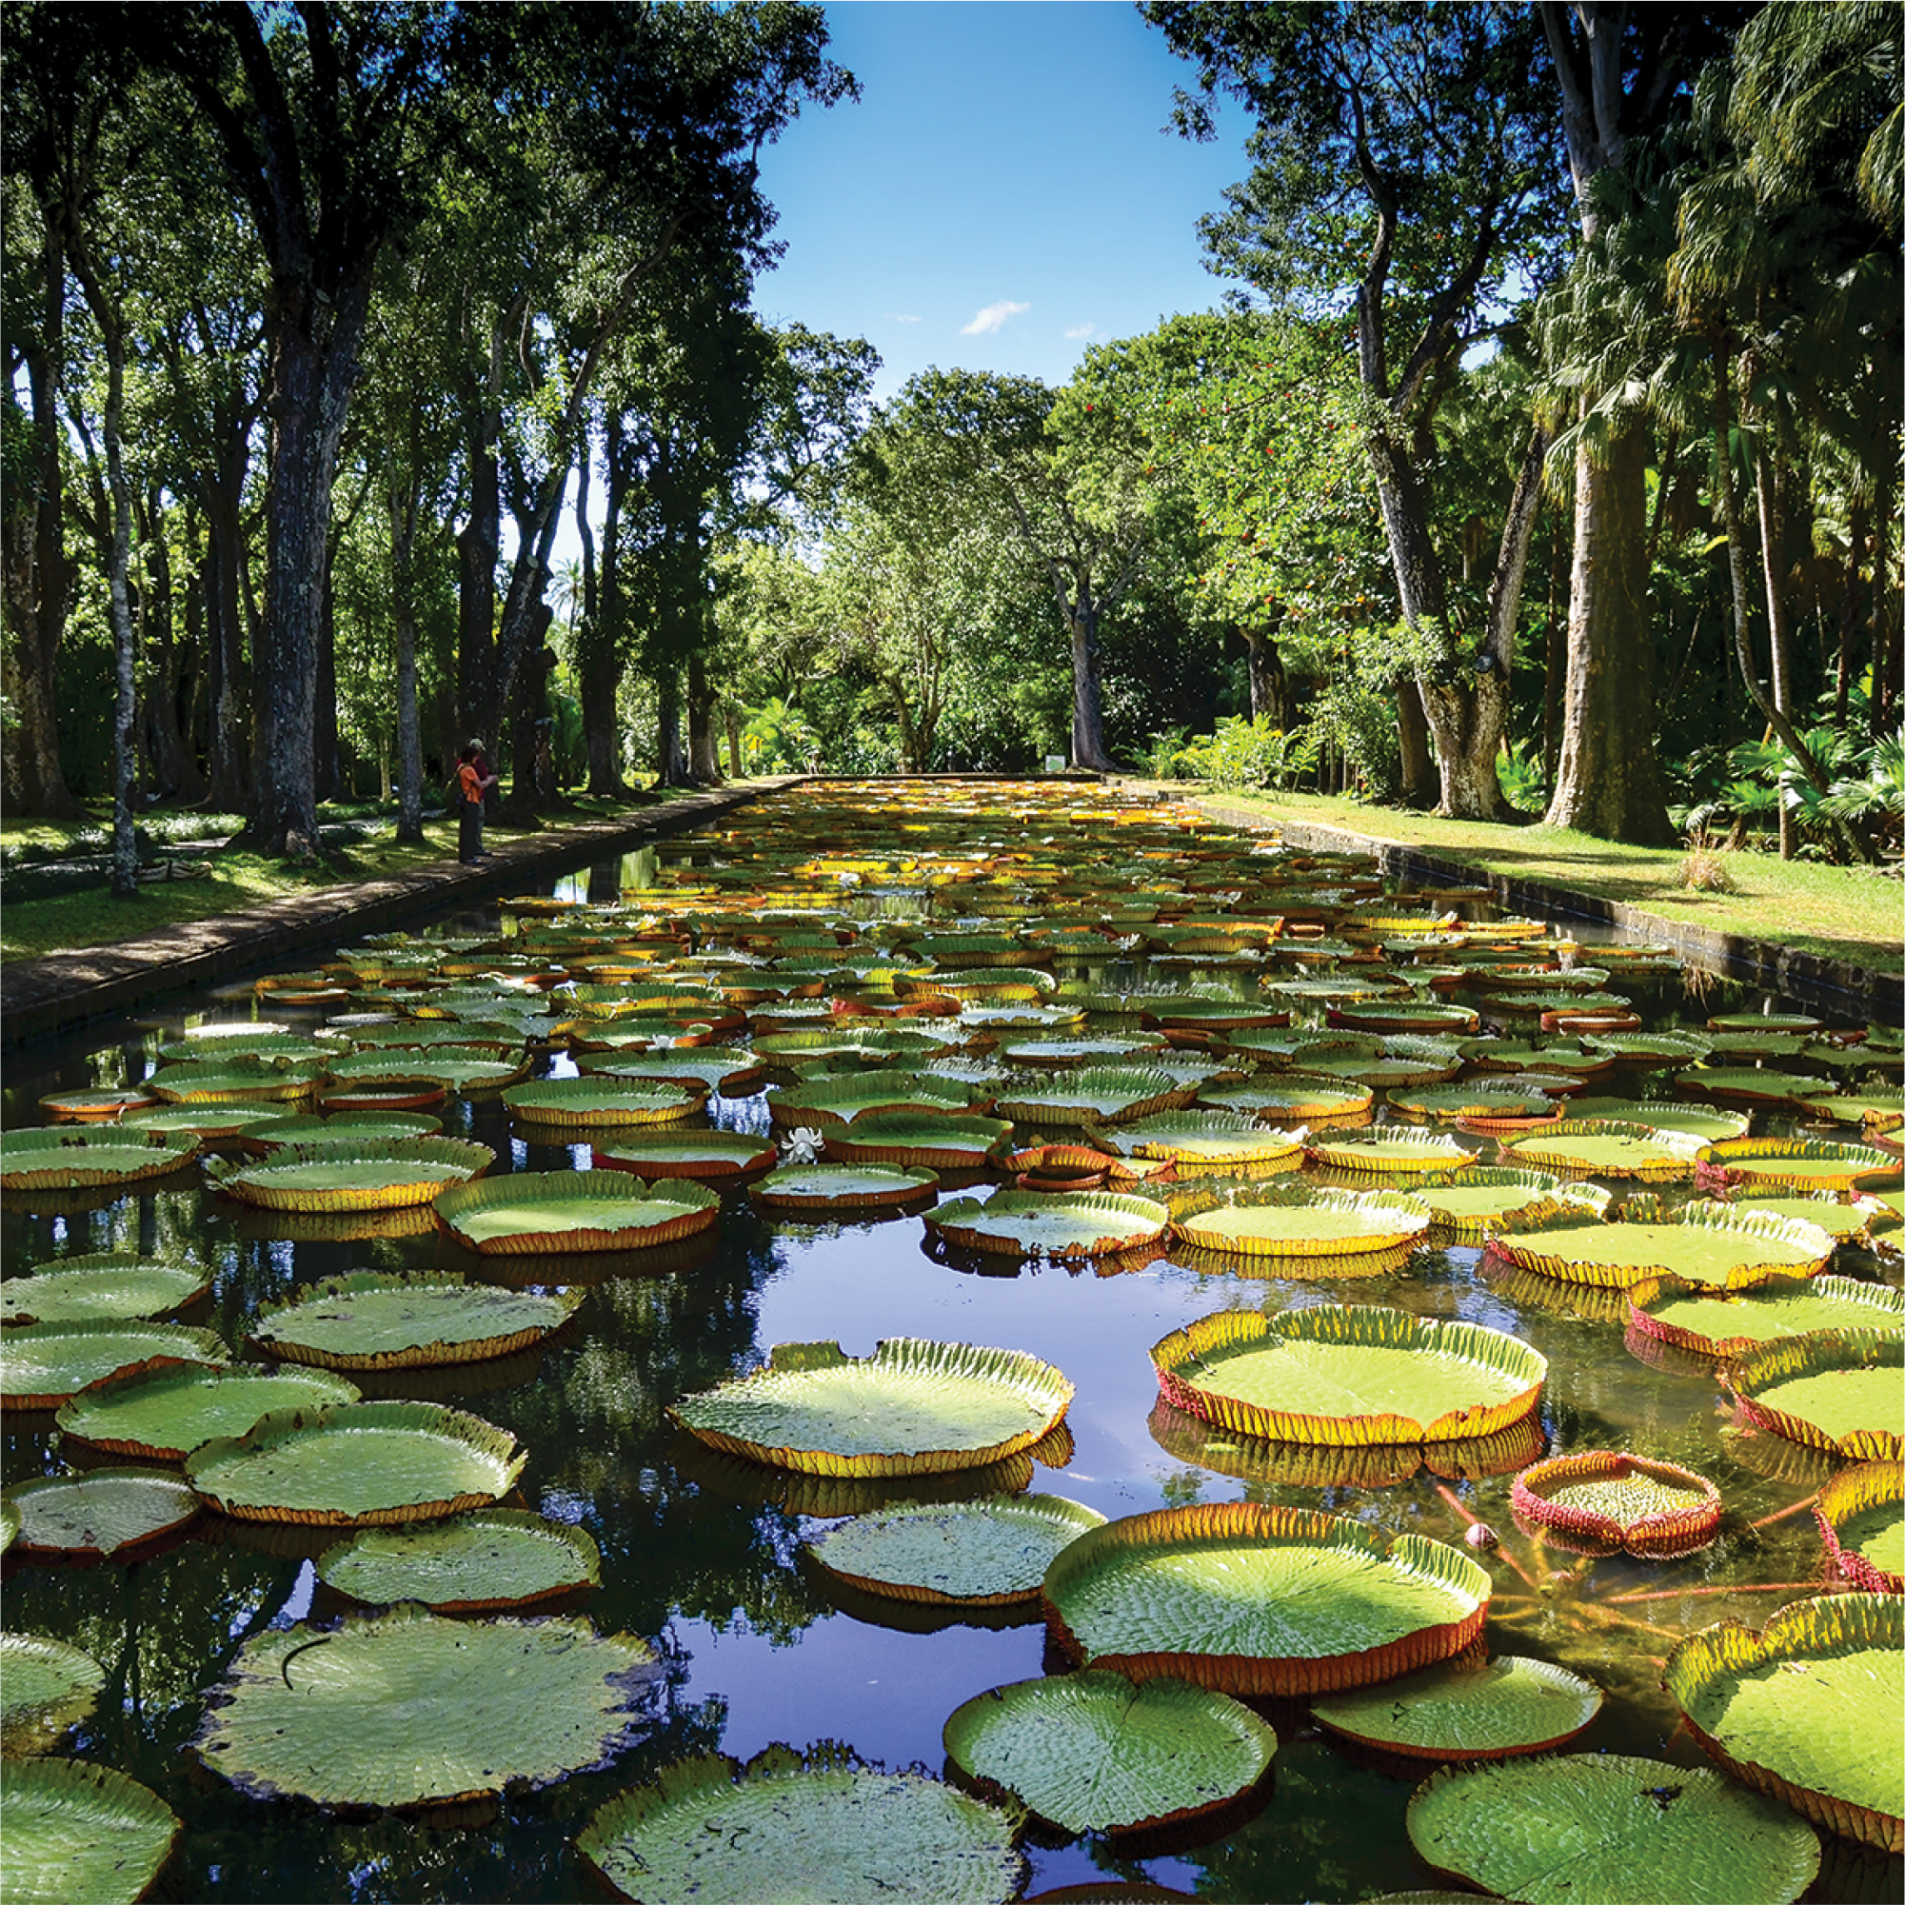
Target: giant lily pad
column 1295, row 1098
column 1600, row 1501
column 368, row 1319
column 1704, row 1321
column 464, row 1068
column 161, row 1415
column 828, row 1102
column 393, row 1175
column 490, row 1561
column 1093, row 1752
column 1513, row 1705
column 79, row 1834
column 1582, row 1830
column 1254, row 1600
column 1604, row 1147
column 45, row 1688
column 1302, row 1221
column 598, row 1100
column 1107, row 1094
column 724, row 1069
column 532, row 1212
column 1222, row 1142
column 353, row 1464
column 1071, row 1226
column 107, row 1514
column 987, row 1553
column 407, row 1708
column 366, row 1130
column 674, row 1151
column 106, row 1286
column 836, row 1187
column 1391, row 1151
column 1801, row 1164
column 88, row 1157
column 1861, row 1517
column 820, row 1827
column 1466, row 1207
column 45, row 1363
column 1705, row 1122
column 1807, row 1709
column 1349, row 1374
column 267, row 1079
column 920, row 1138
column 1838, row 1391
column 912, row 1407
column 1702, row 1243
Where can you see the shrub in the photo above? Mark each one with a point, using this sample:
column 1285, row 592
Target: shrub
column 1247, row 754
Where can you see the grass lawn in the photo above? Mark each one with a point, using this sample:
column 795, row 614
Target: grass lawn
column 1850, row 913
column 231, row 882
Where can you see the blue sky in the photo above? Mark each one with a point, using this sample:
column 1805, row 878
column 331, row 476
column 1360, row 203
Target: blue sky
column 1003, row 194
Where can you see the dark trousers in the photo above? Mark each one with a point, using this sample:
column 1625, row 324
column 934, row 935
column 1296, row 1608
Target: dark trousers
column 469, row 837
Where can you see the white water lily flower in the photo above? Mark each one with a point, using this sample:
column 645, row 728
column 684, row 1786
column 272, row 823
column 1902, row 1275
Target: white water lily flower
column 803, row 1146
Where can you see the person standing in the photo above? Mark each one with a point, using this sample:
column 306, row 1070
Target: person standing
column 473, row 781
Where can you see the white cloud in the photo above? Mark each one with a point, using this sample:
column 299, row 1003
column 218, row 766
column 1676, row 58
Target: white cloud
column 992, row 318
column 900, row 317
column 1083, row 330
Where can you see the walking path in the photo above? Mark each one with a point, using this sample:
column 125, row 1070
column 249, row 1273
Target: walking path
column 59, row 990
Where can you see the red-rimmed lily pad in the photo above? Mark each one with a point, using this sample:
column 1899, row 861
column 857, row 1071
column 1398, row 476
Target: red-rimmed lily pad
column 240, row 1077
column 822, row 1188
column 1702, row 1243
column 1105, row 1094
column 992, row 1552
column 1718, row 1324
column 1600, row 1501
column 1224, row 1143
column 1349, row 1374
column 1603, row 1147
column 371, row 1319
column 1804, row 1164
column 1511, row 1706
column 1301, row 1220
column 1095, row 1752
column 1261, row 1601
column 161, row 1415
column 1807, row 1708
column 1586, row 1828
column 106, row 1514
column 599, row 1100
column 351, row 1176
column 1467, row 1206
column 357, row 1463
column 1391, row 1151
column 45, row 1688
column 845, row 1100
column 1295, row 1098
column 708, row 1157
column 819, row 1826
column 920, row 1138
column 79, row 1834
column 102, row 1286
column 43, row 1364
column 1861, row 1517
column 912, row 1407
column 408, row 1708
column 535, row 1212
column 89, row 1157
column 489, row 1561
column 1838, row 1391
column 1066, row 1226
column 99, row 1105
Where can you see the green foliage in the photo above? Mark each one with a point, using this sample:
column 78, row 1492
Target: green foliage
column 1357, row 718
column 1248, row 754
column 777, row 739
column 1524, row 782
column 1160, row 760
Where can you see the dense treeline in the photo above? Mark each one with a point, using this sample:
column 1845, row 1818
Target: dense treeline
column 1549, row 461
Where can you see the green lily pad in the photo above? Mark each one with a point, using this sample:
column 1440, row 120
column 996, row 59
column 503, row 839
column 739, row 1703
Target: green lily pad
column 105, row 1514
column 1069, row 1226
column 724, row 1069
column 1092, row 1752
column 531, row 1212
column 1479, row 1098
column 919, row 1138
column 356, row 1463
column 1254, row 1600
column 89, row 1157
column 1302, row 1220
column 1293, row 1098
column 820, row 1827
column 79, row 1834
column 1604, row 1148
column 827, row 1102
column 1349, row 1374
column 45, row 1688
column 992, row 1552
column 492, row 1560
column 1580, row 1830
column 392, row 1175
column 1802, row 1164
column 1391, row 1151
column 1847, row 1223
column 210, row 1120
column 1838, row 1391
column 363, row 1129
column 596, row 1100
column 161, row 1415
column 1511, row 1706
column 107, row 1286
column 368, row 1319
column 706, row 1156
column 239, row 1077
column 1468, row 1206
column 1807, row 1709
column 1599, row 1501
column 1701, row 1243
column 831, row 1187
column 408, row 1708
column 1705, row 1321
column 455, row 1067
column 1705, row 1122
column 1112, row 1094
column 1861, row 1517
column 43, row 1364
column 912, row 1407
column 1225, row 1142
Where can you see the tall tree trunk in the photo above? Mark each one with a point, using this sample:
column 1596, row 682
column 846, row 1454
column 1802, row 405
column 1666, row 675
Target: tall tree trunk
column 1269, row 686
column 600, row 639
column 704, row 761
column 37, row 575
column 671, row 765
column 1412, row 740
column 1768, row 494
column 326, row 776
column 478, row 546
column 175, row 770
column 1088, row 710
column 733, row 723
column 404, row 508
column 226, row 627
column 1849, row 605
column 1607, row 781
column 1885, row 626
column 529, row 708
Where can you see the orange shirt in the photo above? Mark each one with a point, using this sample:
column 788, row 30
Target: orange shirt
column 469, row 783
